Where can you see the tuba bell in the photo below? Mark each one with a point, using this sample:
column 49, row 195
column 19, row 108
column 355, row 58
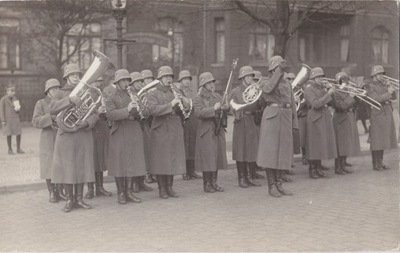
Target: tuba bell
column 302, row 76
column 68, row 119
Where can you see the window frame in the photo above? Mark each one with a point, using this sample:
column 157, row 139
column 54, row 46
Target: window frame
column 15, row 41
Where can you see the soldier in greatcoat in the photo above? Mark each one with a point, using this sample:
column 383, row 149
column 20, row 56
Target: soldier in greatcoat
column 302, row 120
column 275, row 150
column 167, row 157
column 101, row 135
column 73, row 151
column 321, row 142
column 245, row 132
column 42, row 119
column 189, row 127
column 210, row 146
column 126, row 151
column 9, row 117
column 382, row 129
column 345, row 125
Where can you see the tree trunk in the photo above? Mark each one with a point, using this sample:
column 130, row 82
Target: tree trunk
column 282, row 25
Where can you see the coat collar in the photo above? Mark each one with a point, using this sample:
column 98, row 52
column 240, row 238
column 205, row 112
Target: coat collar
column 68, row 86
column 163, row 88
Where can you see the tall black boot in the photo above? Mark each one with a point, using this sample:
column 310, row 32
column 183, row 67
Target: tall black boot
column 375, row 161
column 278, row 179
column 186, row 176
column 60, row 192
column 253, row 170
column 190, row 168
column 100, row 191
column 135, row 184
column 312, row 164
column 170, row 183
column 318, row 169
column 90, row 192
column 19, row 150
column 207, row 182
column 129, row 183
column 69, row 194
column 241, row 177
column 162, row 188
column 285, row 177
column 303, row 156
column 346, row 163
column 383, row 166
column 272, row 190
column 343, row 164
column 10, row 151
column 338, row 166
column 249, row 166
column 52, row 191
column 149, row 179
column 214, row 178
column 143, row 186
column 120, row 182
column 79, row 196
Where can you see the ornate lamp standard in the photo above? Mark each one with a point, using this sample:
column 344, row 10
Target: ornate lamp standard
column 119, row 13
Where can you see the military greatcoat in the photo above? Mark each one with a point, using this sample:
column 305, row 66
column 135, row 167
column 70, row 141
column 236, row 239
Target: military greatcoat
column 101, row 138
column 321, row 142
column 167, row 155
column 126, row 150
column 382, row 130
column 302, row 118
column 210, row 148
column 73, row 152
column 345, row 125
column 275, row 148
column 42, row 119
column 10, row 116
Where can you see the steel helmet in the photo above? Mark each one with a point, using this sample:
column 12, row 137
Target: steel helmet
column 165, row 71
column 339, row 76
column 205, row 77
column 136, row 76
column 378, row 69
column 122, row 74
column 245, row 71
column 257, row 75
column 52, row 82
column 147, row 74
column 71, row 68
column 183, row 74
column 274, row 62
column 316, row 72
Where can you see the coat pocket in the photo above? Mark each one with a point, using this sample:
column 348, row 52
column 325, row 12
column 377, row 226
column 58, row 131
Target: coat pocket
column 114, row 128
column 156, row 123
column 203, row 131
column 315, row 116
column 271, row 112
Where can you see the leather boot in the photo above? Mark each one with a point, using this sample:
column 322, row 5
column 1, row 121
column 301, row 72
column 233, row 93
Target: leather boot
column 318, row 169
column 272, row 190
column 284, row 176
column 52, row 191
column 129, row 183
column 186, row 177
column 322, row 167
column 120, row 182
column 375, row 159
column 207, row 182
column 90, row 192
column 162, row 190
column 214, row 177
column 303, row 156
column 278, row 179
column 338, row 167
column 79, row 196
column 69, row 194
column 143, row 186
column 253, row 170
column 241, row 178
column 311, row 169
column 380, row 161
column 290, row 172
column 346, row 163
column 60, row 191
column 170, row 183
column 135, row 184
column 149, row 179
column 190, row 168
column 100, row 191
column 343, row 165
column 248, row 174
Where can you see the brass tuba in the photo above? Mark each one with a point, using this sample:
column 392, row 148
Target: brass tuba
column 90, row 96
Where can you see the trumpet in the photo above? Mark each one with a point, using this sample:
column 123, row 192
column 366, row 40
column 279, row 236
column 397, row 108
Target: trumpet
column 391, row 82
column 136, row 100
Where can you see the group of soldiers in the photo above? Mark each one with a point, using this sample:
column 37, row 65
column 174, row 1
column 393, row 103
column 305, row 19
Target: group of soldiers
column 167, row 130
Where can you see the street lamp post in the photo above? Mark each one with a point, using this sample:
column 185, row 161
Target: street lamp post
column 119, row 13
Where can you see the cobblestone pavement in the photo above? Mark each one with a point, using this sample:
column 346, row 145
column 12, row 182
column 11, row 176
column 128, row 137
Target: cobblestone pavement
column 356, row 212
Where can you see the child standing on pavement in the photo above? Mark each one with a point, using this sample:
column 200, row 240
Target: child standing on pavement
column 9, row 117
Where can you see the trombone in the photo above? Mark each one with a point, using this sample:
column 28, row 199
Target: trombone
column 350, row 88
column 391, row 81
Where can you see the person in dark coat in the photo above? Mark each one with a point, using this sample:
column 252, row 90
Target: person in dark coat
column 43, row 120
column 189, row 127
column 382, row 130
column 321, row 142
column 9, row 117
column 101, row 135
column 210, row 146
column 73, row 163
column 345, row 125
column 302, row 120
column 126, row 151
column 275, row 149
column 289, row 77
column 167, row 157
column 245, row 132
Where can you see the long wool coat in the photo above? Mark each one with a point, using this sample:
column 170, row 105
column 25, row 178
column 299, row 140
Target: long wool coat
column 190, row 127
column 321, row 142
column 126, row 150
column 245, row 132
column 210, row 148
column 345, row 125
column 167, row 155
column 302, row 118
column 42, row 119
column 275, row 148
column 382, row 130
column 73, row 152
column 10, row 116
column 101, row 138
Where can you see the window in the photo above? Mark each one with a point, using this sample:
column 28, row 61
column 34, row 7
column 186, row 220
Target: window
column 219, row 40
column 261, row 44
column 81, row 41
column 380, row 45
column 9, row 44
column 312, row 44
column 344, row 42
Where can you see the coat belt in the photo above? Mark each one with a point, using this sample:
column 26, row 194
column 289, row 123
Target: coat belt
column 283, row 105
